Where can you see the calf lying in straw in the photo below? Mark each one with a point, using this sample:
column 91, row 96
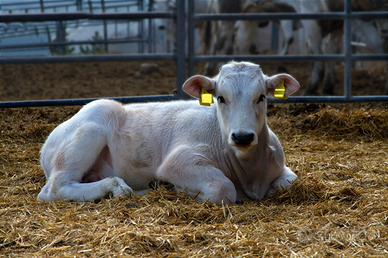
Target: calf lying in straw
column 221, row 152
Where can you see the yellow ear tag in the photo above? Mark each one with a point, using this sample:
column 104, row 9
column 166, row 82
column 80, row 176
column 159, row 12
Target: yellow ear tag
column 206, row 98
column 279, row 91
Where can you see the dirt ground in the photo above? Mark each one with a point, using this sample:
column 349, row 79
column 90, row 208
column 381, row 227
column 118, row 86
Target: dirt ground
column 112, row 79
column 336, row 208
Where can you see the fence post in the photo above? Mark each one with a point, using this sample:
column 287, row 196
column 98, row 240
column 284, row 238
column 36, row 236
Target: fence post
column 105, row 28
column 347, row 50
column 79, row 5
column 274, row 37
column 41, row 6
column 181, row 46
column 191, row 40
column 140, row 27
column 150, row 26
column 90, row 6
column 61, row 37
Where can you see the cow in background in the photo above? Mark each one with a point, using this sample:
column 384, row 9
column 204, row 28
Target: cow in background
column 169, row 25
column 222, row 31
column 382, row 25
column 317, row 30
column 247, row 32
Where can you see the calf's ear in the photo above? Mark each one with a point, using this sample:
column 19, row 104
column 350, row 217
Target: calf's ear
column 290, row 83
column 193, row 86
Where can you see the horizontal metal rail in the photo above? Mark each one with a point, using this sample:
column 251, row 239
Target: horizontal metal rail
column 84, row 42
column 329, row 99
column 160, row 98
column 70, row 3
column 333, row 57
column 291, row 16
column 82, row 16
column 37, row 28
column 91, row 58
column 144, row 15
column 55, row 1
column 80, row 102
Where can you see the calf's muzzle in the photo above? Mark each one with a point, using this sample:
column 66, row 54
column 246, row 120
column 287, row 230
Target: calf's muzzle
column 243, row 139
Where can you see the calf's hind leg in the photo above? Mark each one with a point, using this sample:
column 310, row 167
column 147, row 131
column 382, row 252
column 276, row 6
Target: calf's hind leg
column 67, row 161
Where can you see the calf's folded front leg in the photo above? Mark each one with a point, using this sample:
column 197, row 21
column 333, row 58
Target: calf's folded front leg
column 193, row 173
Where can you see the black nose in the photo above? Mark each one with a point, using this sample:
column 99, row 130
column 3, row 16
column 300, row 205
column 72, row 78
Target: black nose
column 243, row 139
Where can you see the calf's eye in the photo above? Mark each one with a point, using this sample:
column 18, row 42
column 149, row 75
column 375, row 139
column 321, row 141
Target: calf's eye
column 261, row 98
column 221, row 99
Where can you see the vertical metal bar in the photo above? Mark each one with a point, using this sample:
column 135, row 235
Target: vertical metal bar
column 105, row 29
column 347, row 49
column 41, row 6
column 141, row 28
column 181, row 45
column 274, row 37
column 90, row 6
column 128, row 23
column 154, row 36
column 190, row 31
column 150, row 27
column 116, row 24
column 60, row 38
column 49, row 39
column 301, row 42
column 79, row 5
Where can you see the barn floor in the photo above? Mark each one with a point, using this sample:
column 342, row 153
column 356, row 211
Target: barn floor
column 336, row 208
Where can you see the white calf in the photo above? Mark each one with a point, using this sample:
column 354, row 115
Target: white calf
column 224, row 152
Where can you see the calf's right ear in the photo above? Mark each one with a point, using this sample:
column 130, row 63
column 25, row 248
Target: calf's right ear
column 194, row 85
column 290, row 83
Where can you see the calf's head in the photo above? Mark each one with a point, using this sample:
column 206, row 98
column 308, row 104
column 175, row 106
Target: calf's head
column 241, row 90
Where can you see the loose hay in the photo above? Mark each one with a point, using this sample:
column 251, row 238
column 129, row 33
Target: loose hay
column 349, row 124
column 336, row 208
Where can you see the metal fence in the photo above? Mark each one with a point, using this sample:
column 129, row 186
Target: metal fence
column 54, row 27
column 182, row 57
column 178, row 57
column 347, row 57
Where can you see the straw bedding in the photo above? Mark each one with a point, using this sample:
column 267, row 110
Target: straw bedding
column 337, row 208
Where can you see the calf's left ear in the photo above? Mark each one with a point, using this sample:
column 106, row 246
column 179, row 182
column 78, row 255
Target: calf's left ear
column 194, row 85
column 290, row 84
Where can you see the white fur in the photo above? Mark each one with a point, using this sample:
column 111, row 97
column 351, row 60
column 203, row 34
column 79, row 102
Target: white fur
column 111, row 149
